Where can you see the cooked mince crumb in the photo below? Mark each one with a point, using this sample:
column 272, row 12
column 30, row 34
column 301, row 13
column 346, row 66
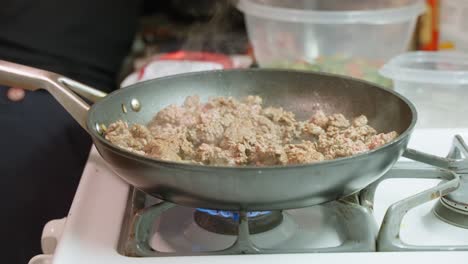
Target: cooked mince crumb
column 226, row 131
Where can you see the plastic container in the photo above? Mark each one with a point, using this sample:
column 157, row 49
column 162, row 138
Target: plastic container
column 339, row 36
column 436, row 83
column 453, row 25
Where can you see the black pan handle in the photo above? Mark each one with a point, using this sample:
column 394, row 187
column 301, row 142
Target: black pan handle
column 63, row 89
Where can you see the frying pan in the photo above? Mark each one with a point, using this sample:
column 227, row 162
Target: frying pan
column 235, row 188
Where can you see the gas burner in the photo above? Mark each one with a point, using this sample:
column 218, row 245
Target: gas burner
column 453, row 207
column 452, row 212
column 154, row 228
column 227, row 223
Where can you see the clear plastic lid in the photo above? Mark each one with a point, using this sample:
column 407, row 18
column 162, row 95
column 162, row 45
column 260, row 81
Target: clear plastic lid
column 428, row 67
column 334, row 11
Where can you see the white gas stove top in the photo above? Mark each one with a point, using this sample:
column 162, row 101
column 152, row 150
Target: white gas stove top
column 92, row 230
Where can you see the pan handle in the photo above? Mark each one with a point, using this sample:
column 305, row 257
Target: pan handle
column 63, row 89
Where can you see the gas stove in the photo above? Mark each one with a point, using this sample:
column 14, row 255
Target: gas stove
column 402, row 217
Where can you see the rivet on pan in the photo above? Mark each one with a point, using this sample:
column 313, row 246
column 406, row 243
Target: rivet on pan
column 135, row 104
column 101, row 128
column 124, row 108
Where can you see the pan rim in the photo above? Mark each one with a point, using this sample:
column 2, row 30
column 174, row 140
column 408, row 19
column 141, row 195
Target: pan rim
column 192, row 166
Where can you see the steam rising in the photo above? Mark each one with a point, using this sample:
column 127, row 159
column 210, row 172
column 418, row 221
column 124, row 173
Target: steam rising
column 224, row 32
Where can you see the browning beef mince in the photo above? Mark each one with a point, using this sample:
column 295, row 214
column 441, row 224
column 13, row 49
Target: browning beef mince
column 226, row 131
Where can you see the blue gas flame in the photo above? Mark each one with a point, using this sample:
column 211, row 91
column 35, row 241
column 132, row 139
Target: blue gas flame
column 233, row 215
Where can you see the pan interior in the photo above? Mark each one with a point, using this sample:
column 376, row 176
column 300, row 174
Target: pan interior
column 299, row 92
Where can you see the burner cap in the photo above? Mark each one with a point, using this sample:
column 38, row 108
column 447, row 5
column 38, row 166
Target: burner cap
column 220, row 224
column 453, row 208
column 460, row 196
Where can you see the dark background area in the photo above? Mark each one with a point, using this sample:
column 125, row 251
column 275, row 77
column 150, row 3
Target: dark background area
column 204, row 25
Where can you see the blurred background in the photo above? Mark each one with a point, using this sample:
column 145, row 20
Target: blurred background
column 374, row 40
column 219, row 26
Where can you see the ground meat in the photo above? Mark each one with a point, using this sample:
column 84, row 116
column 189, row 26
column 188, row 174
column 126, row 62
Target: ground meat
column 311, row 129
column 267, row 128
column 338, row 120
column 339, row 146
column 380, row 139
column 206, row 133
column 163, row 149
column 360, row 121
column 186, row 115
column 319, row 119
column 266, row 152
column 253, row 100
column 212, row 155
column 304, row 152
column 130, row 139
column 286, row 122
column 229, row 132
column 239, row 132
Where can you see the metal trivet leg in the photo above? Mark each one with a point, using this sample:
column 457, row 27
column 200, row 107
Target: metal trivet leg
column 243, row 243
column 142, row 229
column 359, row 228
column 389, row 234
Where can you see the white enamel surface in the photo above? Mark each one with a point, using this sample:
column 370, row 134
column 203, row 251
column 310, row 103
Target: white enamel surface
column 41, row 259
column 93, row 224
column 51, row 235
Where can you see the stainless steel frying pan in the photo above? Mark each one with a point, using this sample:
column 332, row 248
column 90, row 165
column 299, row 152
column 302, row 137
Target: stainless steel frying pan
column 235, row 188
